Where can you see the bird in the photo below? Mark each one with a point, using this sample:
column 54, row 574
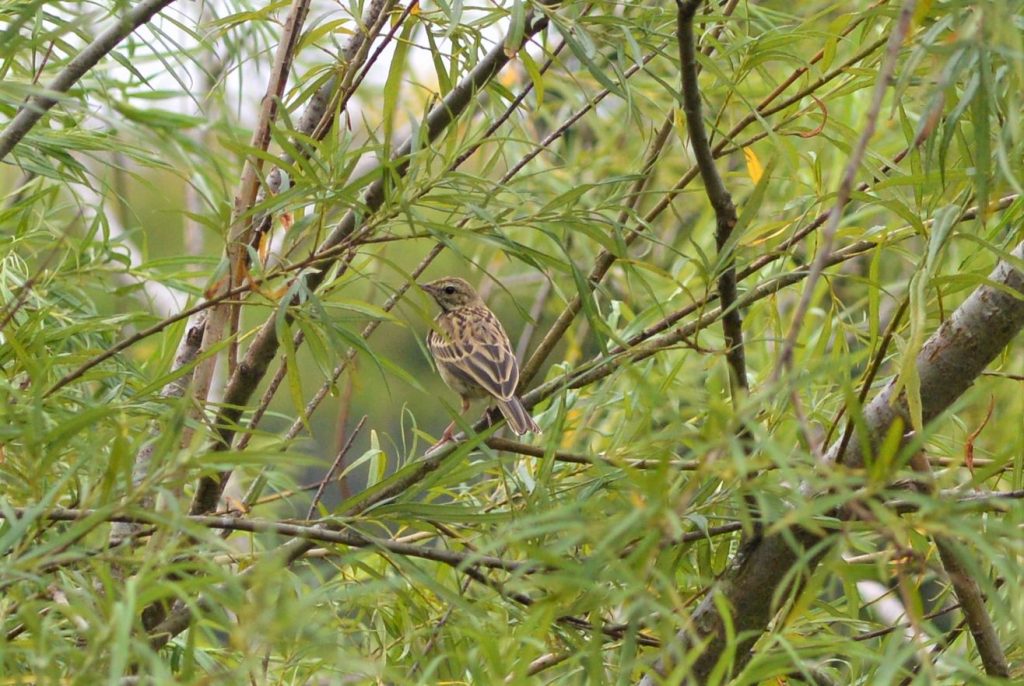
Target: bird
column 472, row 353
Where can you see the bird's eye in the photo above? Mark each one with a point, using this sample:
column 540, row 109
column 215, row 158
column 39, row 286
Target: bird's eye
column 450, row 290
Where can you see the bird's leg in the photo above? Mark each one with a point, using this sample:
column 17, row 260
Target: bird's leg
column 448, row 434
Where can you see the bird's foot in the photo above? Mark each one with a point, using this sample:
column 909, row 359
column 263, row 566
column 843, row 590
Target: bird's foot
column 447, row 437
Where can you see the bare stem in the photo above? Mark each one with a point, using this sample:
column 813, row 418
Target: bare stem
column 885, row 72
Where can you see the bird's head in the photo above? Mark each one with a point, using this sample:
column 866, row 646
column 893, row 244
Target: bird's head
column 451, row 293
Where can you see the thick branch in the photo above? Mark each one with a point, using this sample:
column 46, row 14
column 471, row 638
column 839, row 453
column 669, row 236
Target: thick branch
column 950, row 361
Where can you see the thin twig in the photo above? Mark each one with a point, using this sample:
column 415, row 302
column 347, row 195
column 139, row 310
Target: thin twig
column 943, row 643
column 870, row 373
column 616, row 631
column 276, row 83
column 334, row 467
column 528, row 450
column 376, row 16
column 539, row 301
column 240, row 234
column 972, row 601
column 604, row 261
column 12, row 306
column 113, row 350
column 541, row 663
column 349, row 538
column 885, row 72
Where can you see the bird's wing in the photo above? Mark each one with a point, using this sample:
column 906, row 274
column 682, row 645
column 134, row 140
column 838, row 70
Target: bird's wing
column 472, row 345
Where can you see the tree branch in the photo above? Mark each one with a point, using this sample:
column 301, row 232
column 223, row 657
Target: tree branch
column 972, row 601
column 718, row 195
column 38, row 105
column 348, row 538
column 949, row 362
column 952, row 358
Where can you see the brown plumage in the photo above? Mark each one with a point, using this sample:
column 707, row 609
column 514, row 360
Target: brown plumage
column 473, row 353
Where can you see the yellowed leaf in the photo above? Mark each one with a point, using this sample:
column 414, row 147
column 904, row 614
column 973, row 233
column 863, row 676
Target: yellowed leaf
column 754, row 167
column 264, row 247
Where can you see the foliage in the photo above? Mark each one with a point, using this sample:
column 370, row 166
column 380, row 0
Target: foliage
column 578, row 557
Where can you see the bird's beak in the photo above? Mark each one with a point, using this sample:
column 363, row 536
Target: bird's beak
column 426, row 288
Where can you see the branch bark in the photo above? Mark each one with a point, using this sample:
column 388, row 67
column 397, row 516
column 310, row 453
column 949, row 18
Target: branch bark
column 952, row 358
column 972, row 601
column 950, row 361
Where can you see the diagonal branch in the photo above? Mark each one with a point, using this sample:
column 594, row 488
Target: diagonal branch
column 952, row 358
column 38, row 105
column 972, row 601
column 896, row 39
column 227, row 314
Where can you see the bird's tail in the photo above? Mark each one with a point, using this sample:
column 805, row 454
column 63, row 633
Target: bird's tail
column 518, row 418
